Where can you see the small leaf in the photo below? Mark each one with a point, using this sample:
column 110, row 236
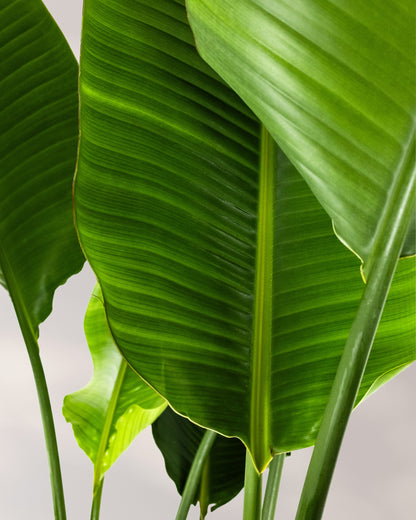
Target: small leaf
column 116, row 405
column 178, row 440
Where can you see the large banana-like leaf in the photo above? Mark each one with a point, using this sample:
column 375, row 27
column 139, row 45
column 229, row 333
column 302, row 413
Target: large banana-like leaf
column 38, row 141
column 334, row 82
column 223, row 477
column 116, row 405
column 179, row 194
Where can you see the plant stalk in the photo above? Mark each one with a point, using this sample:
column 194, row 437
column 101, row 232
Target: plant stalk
column 30, row 339
column 48, row 428
column 387, row 249
column 204, row 490
column 252, row 491
column 194, row 477
column 105, row 434
column 96, row 501
column 272, row 487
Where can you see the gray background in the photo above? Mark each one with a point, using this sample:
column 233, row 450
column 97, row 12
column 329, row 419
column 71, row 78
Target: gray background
column 375, row 478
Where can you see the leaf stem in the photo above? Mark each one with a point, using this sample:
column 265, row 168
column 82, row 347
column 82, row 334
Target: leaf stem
column 195, row 472
column 358, row 346
column 30, row 339
column 99, row 466
column 48, row 428
column 252, row 491
column 272, row 487
column 96, row 501
column 204, row 489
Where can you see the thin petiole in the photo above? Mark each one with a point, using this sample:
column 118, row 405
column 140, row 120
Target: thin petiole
column 195, row 473
column 272, row 487
column 252, row 491
column 96, row 501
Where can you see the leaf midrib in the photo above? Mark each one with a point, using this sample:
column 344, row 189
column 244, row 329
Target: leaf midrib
column 109, row 417
column 262, row 319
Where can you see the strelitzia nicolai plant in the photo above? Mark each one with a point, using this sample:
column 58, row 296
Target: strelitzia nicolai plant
column 223, row 283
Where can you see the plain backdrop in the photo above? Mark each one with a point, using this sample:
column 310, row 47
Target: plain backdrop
column 375, row 478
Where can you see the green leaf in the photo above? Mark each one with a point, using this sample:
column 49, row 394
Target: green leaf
column 178, row 439
column 39, row 248
column 225, row 287
column 334, row 82
column 116, row 405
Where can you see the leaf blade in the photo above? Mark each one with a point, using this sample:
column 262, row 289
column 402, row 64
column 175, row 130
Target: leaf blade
column 167, row 210
column 39, row 132
column 115, row 406
column 178, row 440
column 344, row 129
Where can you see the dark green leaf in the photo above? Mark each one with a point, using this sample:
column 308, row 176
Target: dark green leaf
column 38, row 143
column 178, row 440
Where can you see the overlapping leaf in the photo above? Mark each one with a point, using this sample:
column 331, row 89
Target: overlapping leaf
column 38, row 141
column 116, row 405
column 334, row 82
column 225, row 289
column 223, row 477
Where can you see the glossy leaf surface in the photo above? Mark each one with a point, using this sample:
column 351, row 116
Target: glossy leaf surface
column 38, row 144
column 225, row 287
column 223, row 476
column 334, row 82
column 116, row 405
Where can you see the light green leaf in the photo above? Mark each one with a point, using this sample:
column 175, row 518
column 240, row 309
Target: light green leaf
column 38, row 143
column 223, row 477
column 116, row 405
column 225, row 287
column 334, row 82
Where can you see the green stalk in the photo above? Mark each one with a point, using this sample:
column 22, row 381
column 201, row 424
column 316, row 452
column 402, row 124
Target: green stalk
column 96, row 501
column 252, row 491
column 272, row 487
column 194, row 477
column 48, row 428
column 105, row 434
column 388, row 244
column 204, row 490
column 30, row 338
